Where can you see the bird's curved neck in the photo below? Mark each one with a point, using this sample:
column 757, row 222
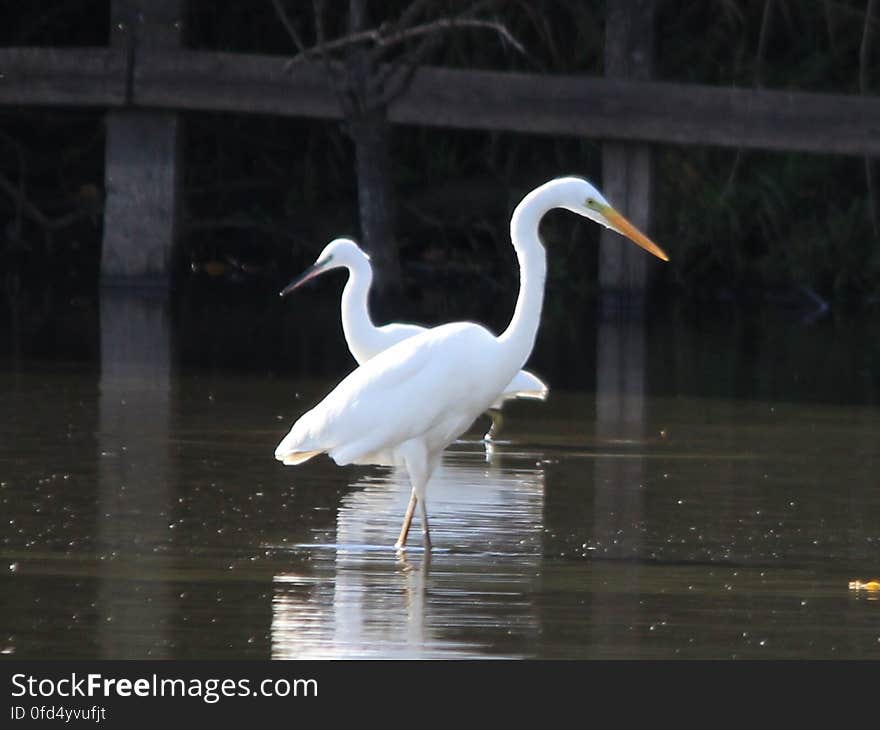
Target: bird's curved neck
column 520, row 334
column 356, row 321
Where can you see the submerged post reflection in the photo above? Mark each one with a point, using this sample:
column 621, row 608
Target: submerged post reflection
column 620, row 419
column 135, row 473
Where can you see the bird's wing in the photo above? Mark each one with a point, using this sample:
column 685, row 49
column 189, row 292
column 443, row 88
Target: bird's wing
column 526, row 385
column 396, row 396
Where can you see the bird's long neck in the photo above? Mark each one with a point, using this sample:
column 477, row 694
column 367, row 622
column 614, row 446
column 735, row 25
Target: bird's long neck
column 357, row 325
column 520, row 334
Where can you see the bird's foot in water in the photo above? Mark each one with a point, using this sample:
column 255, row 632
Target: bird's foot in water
column 489, row 448
column 401, row 546
column 495, row 428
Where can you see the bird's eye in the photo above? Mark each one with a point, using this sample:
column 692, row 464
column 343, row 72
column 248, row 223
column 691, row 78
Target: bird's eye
column 591, row 203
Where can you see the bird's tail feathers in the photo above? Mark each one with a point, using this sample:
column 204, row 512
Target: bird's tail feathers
column 294, row 458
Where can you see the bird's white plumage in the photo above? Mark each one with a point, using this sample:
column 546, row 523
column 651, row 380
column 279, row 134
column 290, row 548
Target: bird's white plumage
column 403, row 406
column 411, row 384
column 365, row 340
column 524, row 385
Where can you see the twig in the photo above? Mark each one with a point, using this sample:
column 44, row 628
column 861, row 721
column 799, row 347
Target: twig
column 411, row 14
column 829, row 23
column 288, row 26
column 392, row 88
column 412, row 11
column 758, row 80
column 338, row 85
column 384, row 85
column 388, row 41
column 865, row 47
column 34, row 213
column 764, row 34
column 731, row 176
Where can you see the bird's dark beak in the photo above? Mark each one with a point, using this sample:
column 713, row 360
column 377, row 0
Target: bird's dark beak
column 310, row 273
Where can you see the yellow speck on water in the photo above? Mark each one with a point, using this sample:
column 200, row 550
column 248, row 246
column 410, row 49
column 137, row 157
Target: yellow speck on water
column 871, row 585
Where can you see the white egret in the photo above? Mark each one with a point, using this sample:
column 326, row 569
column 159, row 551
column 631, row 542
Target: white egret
column 365, row 340
column 409, row 402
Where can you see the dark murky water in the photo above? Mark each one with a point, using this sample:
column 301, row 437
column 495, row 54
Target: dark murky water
column 710, row 501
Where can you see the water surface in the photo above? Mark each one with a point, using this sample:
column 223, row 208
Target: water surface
column 693, row 498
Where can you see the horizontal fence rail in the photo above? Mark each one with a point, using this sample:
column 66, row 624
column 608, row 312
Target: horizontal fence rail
column 63, row 76
column 584, row 106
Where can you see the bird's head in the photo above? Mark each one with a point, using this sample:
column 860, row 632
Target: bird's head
column 580, row 196
column 341, row 252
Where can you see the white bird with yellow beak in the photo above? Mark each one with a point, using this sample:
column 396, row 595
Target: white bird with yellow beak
column 409, row 402
column 365, row 340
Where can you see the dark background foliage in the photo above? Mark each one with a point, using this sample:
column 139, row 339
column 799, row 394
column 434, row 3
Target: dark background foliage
column 263, row 195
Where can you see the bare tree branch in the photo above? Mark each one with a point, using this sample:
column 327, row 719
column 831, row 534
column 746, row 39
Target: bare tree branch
column 386, row 82
column 34, row 213
column 389, row 86
column 338, row 84
column 392, row 87
column 288, row 26
column 542, row 25
column 411, row 13
column 318, row 11
column 302, row 52
column 831, row 26
column 415, row 10
column 455, row 23
column 865, row 47
column 766, row 19
column 393, row 39
column 395, row 78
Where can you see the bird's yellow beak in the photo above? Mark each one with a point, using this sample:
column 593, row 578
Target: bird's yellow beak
column 625, row 228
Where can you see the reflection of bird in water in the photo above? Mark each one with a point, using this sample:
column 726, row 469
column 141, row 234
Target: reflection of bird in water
column 365, row 340
column 409, row 402
column 366, row 610
column 416, row 577
column 356, row 600
column 476, row 508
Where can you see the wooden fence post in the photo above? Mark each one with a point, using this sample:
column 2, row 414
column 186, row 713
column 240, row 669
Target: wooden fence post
column 136, row 469
column 141, row 157
column 620, row 337
column 626, row 168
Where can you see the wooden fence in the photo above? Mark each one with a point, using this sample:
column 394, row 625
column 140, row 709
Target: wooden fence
column 144, row 84
column 596, row 107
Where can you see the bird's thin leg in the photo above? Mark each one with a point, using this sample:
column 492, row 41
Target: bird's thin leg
column 419, row 466
column 425, row 531
column 497, row 423
column 407, row 520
